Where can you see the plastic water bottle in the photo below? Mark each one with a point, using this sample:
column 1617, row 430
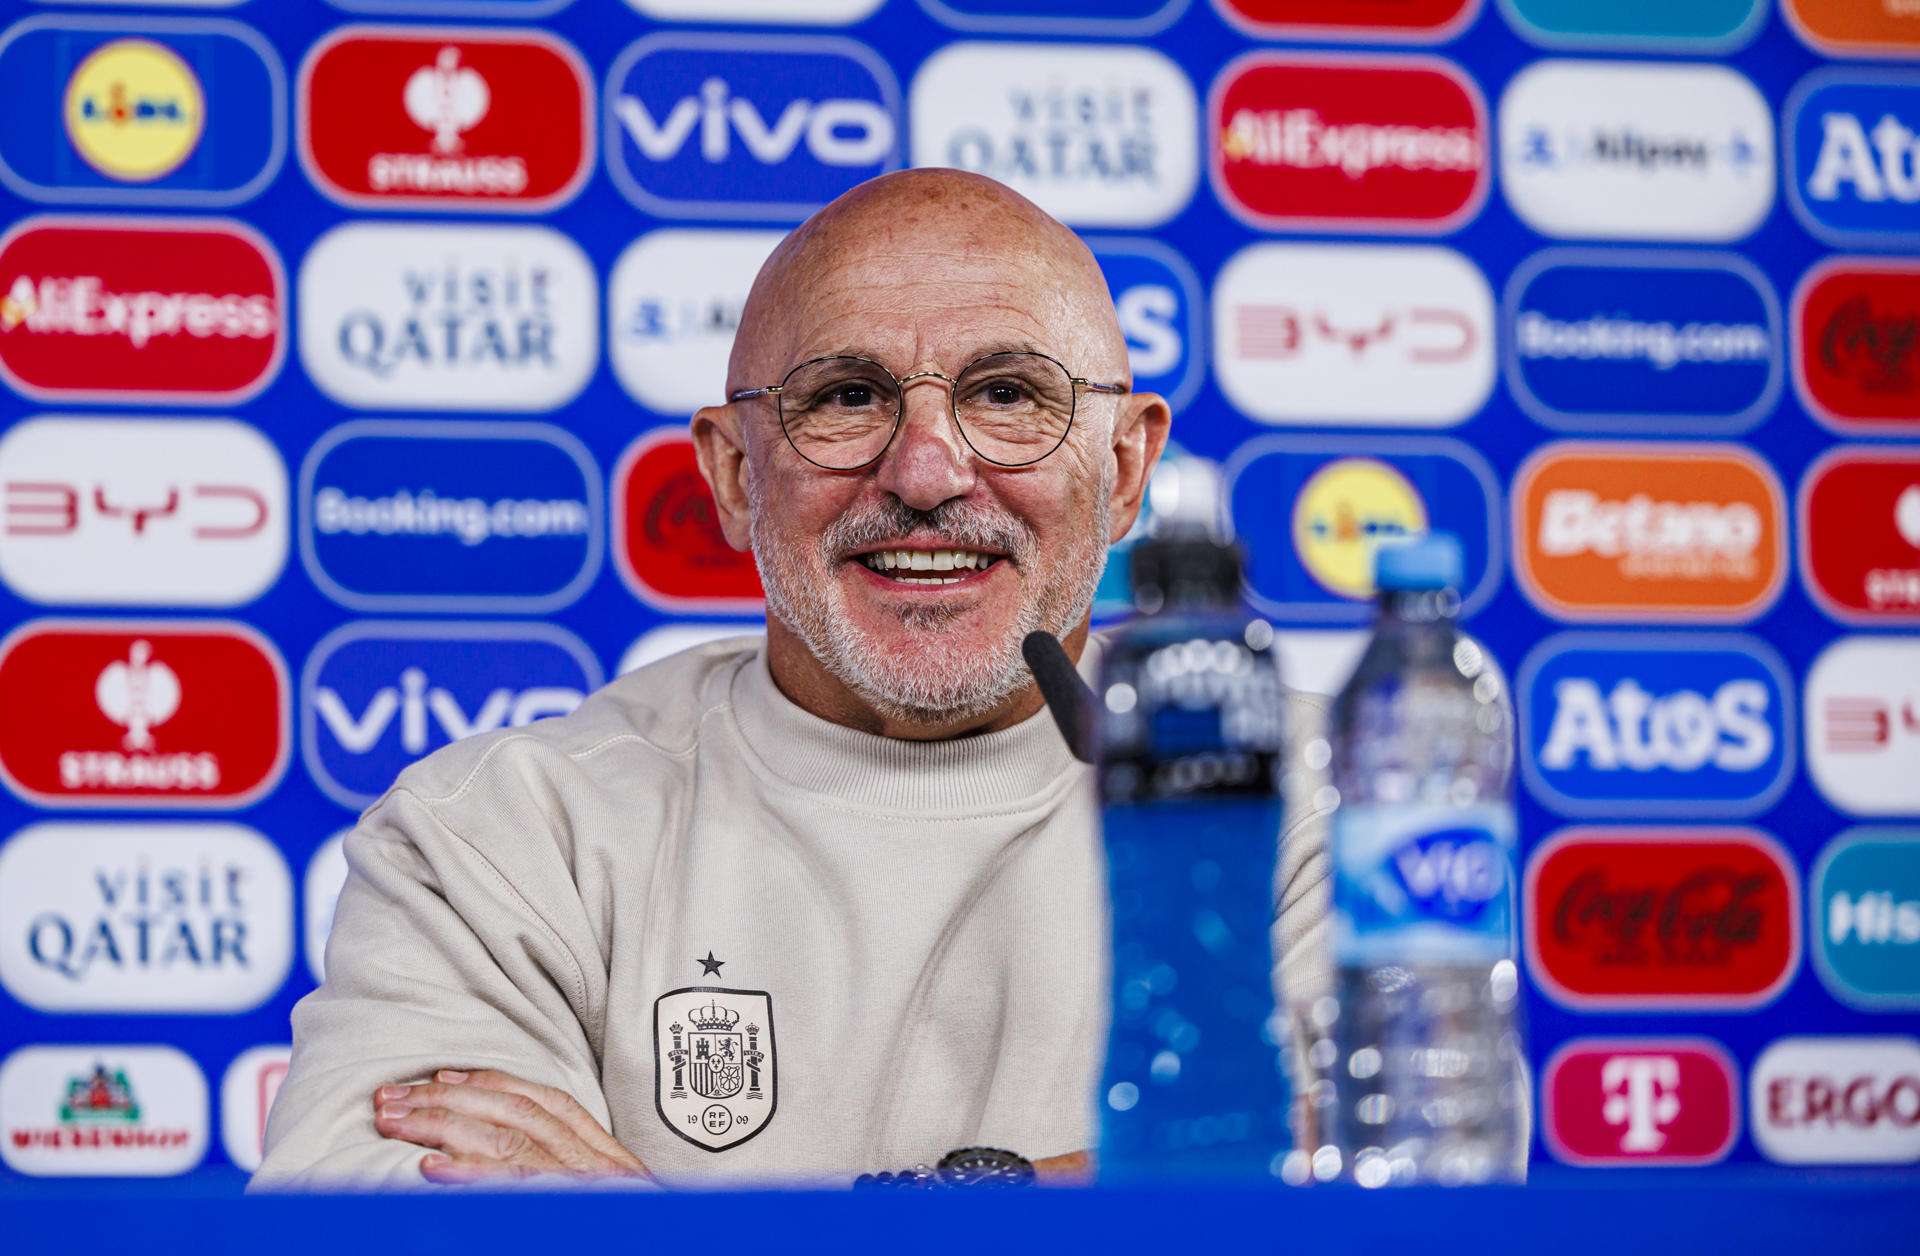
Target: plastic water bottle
column 1422, row 1078
column 1188, row 730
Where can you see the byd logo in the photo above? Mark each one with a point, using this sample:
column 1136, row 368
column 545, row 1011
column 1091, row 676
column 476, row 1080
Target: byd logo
column 731, row 126
column 123, row 309
column 1863, row 724
column 1618, row 1102
column 1336, row 143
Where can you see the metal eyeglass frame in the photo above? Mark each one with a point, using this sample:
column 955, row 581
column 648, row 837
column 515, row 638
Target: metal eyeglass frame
column 900, row 407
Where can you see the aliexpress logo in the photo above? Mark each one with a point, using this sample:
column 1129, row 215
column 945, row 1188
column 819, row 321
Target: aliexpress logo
column 1641, row 531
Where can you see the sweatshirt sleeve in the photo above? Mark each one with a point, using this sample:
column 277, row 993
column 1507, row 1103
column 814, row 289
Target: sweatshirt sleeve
column 1303, row 886
column 435, row 960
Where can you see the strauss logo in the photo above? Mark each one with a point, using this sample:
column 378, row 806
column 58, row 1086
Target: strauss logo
column 447, row 99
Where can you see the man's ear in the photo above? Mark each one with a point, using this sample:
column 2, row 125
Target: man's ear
column 722, row 455
column 1139, row 438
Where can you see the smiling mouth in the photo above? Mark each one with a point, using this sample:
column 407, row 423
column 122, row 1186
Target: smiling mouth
column 920, row 566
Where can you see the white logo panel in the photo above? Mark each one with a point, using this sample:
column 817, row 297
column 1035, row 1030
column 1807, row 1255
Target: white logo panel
column 155, row 512
column 1863, row 725
column 456, row 318
column 102, row 1111
column 673, row 306
column 247, row 1093
column 657, row 643
column 1326, row 333
column 319, row 896
column 1636, row 150
column 1097, row 136
column 1837, row 1101
column 779, row 12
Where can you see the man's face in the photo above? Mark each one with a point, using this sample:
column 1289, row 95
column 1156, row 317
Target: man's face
column 932, row 642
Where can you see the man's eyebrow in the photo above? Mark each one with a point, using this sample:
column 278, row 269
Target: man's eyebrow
column 980, row 351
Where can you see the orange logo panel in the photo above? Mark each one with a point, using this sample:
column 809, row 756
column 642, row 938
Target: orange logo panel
column 1857, row 25
column 1633, row 531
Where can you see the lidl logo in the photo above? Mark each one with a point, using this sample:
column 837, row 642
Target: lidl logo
column 155, row 112
column 1703, row 25
column 1636, row 150
column 1886, row 28
column 1866, row 917
column 1338, row 500
column 1638, row 918
column 1643, row 342
column 377, row 696
column 1342, row 19
column 1837, row 1100
column 450, row 516
column 743, row 127
column 1623, row 724
column 673, row 305
column 1860, row 534
column 1863, row 725
column 125, row 309
column 1853, row 135
column 102, row 1111
column 1349, row 143
column 1642, row 531
column 1353, row 333
column 465, row 119
column 1856, row 353
column 668, row 543
column 1624, row 1102
column 1156, row 297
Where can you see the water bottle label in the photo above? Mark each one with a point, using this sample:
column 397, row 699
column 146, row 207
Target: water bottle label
column 1426, row 884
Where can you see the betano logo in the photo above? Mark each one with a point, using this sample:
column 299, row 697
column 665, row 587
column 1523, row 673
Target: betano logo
column 1855, row 138
column 1861, row 28
column 1648, row 532
column 1343, row 143
column 1856, row 354
column 453, row 118
column 1860, row 535
column 1624, row 1102
column 134, row 110
column 1636, row 151
column 669, row 546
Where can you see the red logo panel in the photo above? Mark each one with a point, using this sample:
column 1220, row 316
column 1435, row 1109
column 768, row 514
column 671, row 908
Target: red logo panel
column 1633, row 1102
column 1860, row 534
column 1390, row 143
column 123, row 309
column 445, row 118
column 124, row 713
column 1856, row 328
column 1646, row 918
column 1401, row 19
column 670, row 547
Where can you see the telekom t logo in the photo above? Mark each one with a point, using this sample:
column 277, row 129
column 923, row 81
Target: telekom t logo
column 1620, row 1101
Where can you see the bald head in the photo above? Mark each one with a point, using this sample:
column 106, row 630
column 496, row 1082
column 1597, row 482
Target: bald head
column 930, row 240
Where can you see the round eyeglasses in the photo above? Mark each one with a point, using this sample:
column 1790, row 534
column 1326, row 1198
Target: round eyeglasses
column 1012, row 409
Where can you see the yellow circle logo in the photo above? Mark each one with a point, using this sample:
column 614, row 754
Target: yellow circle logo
column 134, row 110
column 1345, row 511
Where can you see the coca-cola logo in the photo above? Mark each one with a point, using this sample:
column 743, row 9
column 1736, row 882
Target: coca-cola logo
column 670, row 546
column 1857, row 354
column 1650, row 918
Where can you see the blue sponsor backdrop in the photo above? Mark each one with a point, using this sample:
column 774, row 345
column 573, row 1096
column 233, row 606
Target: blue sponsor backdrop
column 509, row 601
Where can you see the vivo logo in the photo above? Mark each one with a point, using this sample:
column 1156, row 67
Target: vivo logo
column 837, row 132
column 418, row 702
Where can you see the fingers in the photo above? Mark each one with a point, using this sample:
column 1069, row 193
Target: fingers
column 460, row 1170
column 563, row 1106
column 462, row 1135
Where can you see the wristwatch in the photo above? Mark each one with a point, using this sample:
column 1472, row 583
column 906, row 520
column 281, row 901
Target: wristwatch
column 969, row 1166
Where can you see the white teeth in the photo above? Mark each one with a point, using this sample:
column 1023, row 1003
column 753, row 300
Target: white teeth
column 942, row 561
column 928, row 560
column 922, row 560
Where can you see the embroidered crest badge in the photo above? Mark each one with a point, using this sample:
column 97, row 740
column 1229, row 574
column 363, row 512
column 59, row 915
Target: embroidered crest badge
column 714, row 1064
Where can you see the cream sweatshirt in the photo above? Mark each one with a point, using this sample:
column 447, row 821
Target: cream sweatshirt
column 756, row 945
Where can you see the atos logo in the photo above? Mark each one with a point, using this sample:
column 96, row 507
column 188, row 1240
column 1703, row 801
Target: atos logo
column 1425, row 20
column 1855, row 145
column 1860, row 535
column 1096, row 135
column 673, row 306
column 1339, row 499
column 174, row 512
column 1625, row 1102
column 1866, row 917
column 124, row 713
column 247, row 1092
column 1156, row 297
column 1353, row 333
column 1838, row 1100
column 1608, row 531
column 738, row 127
column 175, row 112
column 1643, row 342
column 1625, row 724
column 376, row 696
column 1622, row 919
column 1856, row 27
column 102, row 1111
column 126, row 310
column 450, row 516
column 670, row 549
column 1702, row 25
column 1349, row 143
column 1636, row 150
column 1856, row 330
column 1863, row 724
column 467, row 119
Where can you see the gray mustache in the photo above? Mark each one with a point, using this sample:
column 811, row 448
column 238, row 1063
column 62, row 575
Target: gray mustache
column 964, row 523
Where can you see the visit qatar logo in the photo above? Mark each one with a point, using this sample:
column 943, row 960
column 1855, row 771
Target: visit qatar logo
column 1375, row 143
column 125, row 309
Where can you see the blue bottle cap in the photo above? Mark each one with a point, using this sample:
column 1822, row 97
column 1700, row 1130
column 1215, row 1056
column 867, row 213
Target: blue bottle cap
column 1429, row 562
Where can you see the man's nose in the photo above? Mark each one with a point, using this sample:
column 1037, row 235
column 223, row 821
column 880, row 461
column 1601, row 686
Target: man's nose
column 928, row 461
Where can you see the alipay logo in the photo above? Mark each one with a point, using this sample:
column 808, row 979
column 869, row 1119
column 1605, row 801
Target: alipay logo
column 1856, row 137
column 377, row 696
column 734, row 127
column 1617, row 724
column 1156, row 297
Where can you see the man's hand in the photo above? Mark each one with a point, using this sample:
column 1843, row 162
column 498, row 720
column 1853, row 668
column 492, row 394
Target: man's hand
column 488, row 1126
column 1076, row 1168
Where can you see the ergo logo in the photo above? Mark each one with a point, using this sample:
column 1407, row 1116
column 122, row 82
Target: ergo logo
column 1617, row 1102
column 1838, row 1100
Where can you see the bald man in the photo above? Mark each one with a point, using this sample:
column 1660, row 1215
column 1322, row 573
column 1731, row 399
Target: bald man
column 813, row 906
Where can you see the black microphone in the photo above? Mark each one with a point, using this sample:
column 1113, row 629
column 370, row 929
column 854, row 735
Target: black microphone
column 1067, row 696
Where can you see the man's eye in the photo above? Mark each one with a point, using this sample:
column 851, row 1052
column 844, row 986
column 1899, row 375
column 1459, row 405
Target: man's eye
column 1005, row 394
column 851, row 396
